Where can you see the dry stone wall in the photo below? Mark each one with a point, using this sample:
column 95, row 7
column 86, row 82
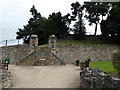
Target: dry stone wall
column 94, row 52
column 5, row 79
column 15, row 53
column 68, row 53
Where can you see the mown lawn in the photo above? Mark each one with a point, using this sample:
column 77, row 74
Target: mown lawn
column 103, row 65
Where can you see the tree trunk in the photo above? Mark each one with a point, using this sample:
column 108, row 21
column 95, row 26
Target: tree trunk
column 95, row 29
column 102, row 17
column 79, row 18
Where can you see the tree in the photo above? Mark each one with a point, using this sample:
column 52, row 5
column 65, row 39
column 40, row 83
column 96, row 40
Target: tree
column 35, row 26
column 67, row 20
column 95, row 10
column 79, row 29
column 60, row 28
column 55, row 24
column 50, row 27
column 79, row 34
column 24, row 34
column 111, row 26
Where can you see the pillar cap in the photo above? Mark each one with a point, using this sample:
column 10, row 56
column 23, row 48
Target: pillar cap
column 34, row 36
column 52, row 37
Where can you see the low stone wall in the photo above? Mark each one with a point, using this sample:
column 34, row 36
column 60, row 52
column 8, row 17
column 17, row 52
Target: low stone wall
column 95, row 78
column 70, row 53
column 5, row 79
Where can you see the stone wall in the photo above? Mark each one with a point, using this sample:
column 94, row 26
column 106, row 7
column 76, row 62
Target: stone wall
column 94, row 52
column 68, row 53
column 5, row 79
column 15, row 52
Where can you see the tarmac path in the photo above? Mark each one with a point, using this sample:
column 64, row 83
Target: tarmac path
column 66, row 76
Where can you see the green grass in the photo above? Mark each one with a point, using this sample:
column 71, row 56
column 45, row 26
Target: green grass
column 88, row 41
column 45, row 45
column 103, row 65
column 69, row 42
column 77, row 42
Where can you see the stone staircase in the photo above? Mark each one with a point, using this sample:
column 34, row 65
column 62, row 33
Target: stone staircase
column 41, row 57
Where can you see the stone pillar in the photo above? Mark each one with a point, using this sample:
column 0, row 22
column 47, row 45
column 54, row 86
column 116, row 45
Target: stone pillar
column 52, row 41
column 33, row 42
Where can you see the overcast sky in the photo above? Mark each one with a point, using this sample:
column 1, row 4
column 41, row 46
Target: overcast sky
column 15, row 13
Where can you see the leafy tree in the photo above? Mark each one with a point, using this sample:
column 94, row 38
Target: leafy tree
column 67, row 20
column 79, row 29
column 24, row 33
column 35, row 26
column 55, row 24
column 60, row 29
column 79, row 34
column 95, row 10
column 50, row 27
column 111, row 26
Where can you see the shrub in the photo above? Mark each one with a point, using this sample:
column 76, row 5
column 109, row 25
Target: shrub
column 116, row 61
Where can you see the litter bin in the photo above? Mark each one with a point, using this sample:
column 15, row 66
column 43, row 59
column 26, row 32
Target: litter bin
column 77, row 62
column 7, row 61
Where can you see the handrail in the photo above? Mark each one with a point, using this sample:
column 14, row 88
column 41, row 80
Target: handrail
column 26, row 57
column 58, row 58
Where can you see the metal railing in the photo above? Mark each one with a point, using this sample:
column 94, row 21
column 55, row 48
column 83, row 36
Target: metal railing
column 11, row 42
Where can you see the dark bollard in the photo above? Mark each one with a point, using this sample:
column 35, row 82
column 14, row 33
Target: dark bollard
column 77, row 62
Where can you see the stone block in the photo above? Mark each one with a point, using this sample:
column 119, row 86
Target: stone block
column 95, row 78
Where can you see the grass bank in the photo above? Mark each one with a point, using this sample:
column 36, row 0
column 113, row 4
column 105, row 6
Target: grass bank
column 88, row 41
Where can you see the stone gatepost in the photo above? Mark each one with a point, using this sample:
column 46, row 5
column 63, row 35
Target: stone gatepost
column 33, row 42
column 52, row 42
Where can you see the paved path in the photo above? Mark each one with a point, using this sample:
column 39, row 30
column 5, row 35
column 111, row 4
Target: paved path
column 45, row 76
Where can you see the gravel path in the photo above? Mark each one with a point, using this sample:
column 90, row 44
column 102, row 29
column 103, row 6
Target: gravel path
column 45, row 76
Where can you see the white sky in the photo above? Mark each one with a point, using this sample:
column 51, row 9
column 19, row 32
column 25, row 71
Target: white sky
column 15, row 13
